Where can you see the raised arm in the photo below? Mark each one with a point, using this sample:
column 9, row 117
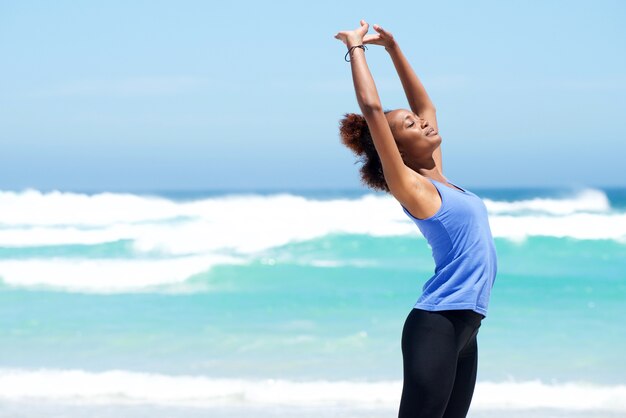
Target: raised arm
column 416, row 95
column 399, row 178
column 413, row 87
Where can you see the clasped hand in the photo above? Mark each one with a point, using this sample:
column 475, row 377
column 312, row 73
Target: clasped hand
column 360, row 36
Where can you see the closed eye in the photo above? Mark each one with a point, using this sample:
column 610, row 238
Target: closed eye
column 413, row 123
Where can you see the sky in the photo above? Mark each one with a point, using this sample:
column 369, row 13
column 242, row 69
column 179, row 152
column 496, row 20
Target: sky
column 243, row 95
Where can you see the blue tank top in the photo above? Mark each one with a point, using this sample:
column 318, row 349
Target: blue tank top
column 464, row 253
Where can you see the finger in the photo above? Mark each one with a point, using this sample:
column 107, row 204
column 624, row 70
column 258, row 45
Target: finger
column 371, row 38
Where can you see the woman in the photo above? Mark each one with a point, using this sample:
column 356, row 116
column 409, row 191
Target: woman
column 401, row 150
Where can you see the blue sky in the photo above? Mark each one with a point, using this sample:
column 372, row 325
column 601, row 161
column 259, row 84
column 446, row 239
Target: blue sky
column 149, row 95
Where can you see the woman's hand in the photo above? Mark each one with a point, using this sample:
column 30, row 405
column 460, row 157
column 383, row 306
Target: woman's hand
column 383, row 38
column 353, row 37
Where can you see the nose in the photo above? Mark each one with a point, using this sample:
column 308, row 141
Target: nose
column 424, row 123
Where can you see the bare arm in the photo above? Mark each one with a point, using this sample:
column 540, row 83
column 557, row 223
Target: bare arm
column 413, row 88
column 416, row 95
column 398, row 176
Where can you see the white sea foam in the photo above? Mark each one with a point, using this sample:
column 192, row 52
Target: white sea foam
column 125, row 387
column 585, row 200
column 577, row 226
column 34, row 208
column 174, row 241
column 243, row 223
column 250, row 223
column 106, row 275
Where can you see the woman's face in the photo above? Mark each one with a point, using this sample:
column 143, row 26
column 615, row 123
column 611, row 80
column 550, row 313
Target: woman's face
column 415, row 138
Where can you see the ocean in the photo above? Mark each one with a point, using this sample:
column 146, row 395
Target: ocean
column 291, row 303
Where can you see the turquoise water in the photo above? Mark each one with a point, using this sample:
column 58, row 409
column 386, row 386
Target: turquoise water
column 306, row 288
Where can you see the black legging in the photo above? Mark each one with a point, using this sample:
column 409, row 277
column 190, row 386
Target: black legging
column 440, row 355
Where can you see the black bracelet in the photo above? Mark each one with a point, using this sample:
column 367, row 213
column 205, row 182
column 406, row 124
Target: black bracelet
column 363, row 47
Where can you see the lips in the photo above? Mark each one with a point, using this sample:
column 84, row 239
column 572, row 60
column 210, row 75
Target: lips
column 431, row 131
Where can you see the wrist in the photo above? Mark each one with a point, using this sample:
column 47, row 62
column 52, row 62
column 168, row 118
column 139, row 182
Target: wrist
column 353, row 42
column 392, row 48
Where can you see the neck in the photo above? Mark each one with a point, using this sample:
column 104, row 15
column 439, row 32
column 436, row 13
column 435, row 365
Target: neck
column 426, row 168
